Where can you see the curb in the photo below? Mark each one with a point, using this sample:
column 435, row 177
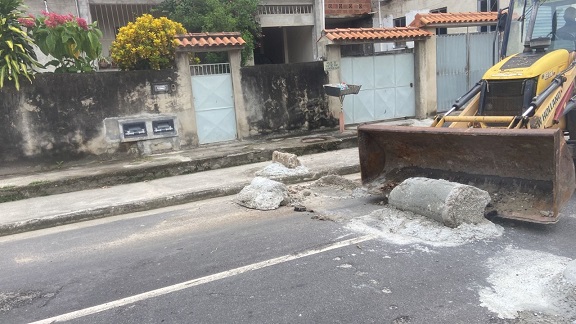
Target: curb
column 132, row 207
column 144, row 173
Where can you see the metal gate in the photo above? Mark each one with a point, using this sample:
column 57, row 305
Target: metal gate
column 387, row 87
column 213, row 102
column 461, row 61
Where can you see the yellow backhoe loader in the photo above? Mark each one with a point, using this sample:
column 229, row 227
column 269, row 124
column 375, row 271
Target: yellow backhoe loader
column 512, row 134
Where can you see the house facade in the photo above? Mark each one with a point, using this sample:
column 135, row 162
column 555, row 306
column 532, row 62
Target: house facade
column 400, row 13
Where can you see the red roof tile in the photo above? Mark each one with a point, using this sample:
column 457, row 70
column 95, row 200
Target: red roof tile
column 455, row 18
column 375, row 34
column 209, row 40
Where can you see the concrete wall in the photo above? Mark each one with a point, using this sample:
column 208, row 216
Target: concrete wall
column 300, row 41
column 62, row 116
column 286, row 97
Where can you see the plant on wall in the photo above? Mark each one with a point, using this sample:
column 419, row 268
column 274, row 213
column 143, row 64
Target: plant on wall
column 17, row 57
column 146, row 44
column 71, row 41
column 217, row 16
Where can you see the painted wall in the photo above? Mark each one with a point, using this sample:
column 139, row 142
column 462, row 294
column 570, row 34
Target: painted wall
column 62, row 116
column 286, row 97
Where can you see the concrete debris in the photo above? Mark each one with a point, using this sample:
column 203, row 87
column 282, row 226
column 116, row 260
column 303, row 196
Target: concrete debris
column 289, row 160
column 263, row 194
column 402, row 227
column 570, row 273
column 528, row 280
column 278, row 170
column 299, row 208
column 337, row 181
column 449, row 203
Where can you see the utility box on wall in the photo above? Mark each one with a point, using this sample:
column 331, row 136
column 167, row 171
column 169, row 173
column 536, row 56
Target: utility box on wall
column 149, row 133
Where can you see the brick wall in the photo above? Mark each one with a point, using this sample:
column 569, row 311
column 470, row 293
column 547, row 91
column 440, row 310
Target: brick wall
column 347, row 7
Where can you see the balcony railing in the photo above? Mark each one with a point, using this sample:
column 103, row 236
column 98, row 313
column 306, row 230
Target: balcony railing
column 285, row 10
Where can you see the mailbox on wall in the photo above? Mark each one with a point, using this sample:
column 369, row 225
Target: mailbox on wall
column 163, row 126
column 147, row 127
column 135, row 129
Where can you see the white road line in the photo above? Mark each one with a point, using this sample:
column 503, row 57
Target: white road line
column 199, row 281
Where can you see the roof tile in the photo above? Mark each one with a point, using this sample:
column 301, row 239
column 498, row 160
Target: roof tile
column 454, row 18
column 375, row 34
column 209, row 40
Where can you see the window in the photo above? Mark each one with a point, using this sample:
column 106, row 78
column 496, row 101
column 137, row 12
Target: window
column 440, row 31
column 487, row 6
column 400, row 22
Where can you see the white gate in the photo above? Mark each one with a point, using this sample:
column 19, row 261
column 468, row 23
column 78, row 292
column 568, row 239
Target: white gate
column 387, row 87
column 461, row 61
column 213, row 102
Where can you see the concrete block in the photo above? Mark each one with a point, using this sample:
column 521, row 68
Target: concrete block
column 287, row 159
column 263, row 194
column 449, row 203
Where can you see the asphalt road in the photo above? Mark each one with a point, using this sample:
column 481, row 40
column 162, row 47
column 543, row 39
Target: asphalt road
column 216, row 262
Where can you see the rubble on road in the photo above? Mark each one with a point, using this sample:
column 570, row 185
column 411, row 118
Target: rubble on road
column 263, row 194
column 449, row 203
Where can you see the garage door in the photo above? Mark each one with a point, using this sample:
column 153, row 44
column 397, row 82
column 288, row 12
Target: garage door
column 387, row 87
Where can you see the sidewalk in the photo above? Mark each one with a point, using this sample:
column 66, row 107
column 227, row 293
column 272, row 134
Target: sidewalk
column 42, row 212
column 34, row 197
column 27, row 181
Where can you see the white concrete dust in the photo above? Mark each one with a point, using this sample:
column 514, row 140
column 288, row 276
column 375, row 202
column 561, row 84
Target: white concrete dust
column 319, row 193
column 399, row 227
column 278, row 170
column 524, row 280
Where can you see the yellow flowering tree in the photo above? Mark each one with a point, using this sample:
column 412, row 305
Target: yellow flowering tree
column 146, row 44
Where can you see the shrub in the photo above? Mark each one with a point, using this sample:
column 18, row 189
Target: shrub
column 146, row 44
column 72, row 42
column 17, row 57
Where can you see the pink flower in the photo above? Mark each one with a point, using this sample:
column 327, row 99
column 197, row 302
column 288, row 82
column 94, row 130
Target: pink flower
column 53, row 19
column 27, row 22
column 82, row 23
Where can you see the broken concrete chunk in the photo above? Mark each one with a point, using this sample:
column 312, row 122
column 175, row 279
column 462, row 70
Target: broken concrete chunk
column 449, row 203
column 278, row 171
column 263, row 194
column 287, row 159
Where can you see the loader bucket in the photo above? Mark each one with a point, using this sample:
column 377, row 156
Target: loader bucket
column 529, row 173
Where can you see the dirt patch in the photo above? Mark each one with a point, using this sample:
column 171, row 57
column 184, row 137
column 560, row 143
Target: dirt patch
column 12, row 300
column 320, row 194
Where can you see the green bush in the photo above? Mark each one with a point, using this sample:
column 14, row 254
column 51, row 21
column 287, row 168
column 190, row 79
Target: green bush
column 146, row 44
column 17, row 57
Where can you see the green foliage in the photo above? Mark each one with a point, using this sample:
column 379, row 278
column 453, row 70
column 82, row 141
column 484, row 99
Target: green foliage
column 217, row 16
column 17, row 57
column 148, row 43
column 72, row 43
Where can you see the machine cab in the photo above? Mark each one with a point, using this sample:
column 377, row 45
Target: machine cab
column 539, row 25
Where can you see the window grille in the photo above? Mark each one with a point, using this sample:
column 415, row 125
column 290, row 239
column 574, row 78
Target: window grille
column 111, row 17
column 210, row 69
